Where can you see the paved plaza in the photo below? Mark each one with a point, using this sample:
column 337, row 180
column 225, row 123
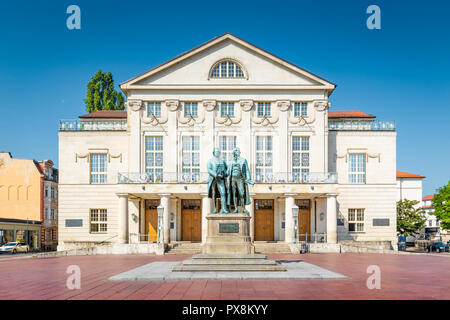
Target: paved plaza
column 403, row 276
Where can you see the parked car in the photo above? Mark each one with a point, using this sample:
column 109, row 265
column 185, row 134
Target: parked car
column 410, row 241
column 14, row 247
column 438, row 247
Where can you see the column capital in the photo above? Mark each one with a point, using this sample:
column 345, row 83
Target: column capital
column 332, row 194
column 164, row 194
column 290, row 194
column 122, row 195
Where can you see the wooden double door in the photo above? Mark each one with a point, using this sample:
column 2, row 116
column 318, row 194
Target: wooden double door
column 151, row 220
column 264, row 217
column 304, row 218
column 191, row 220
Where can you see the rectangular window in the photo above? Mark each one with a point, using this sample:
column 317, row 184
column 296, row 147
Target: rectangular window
column 356, row 220
column 226, row 145
column 264, row 161
column 154, row 158
column 98, row 221
column 300, row 158
column 191, row 159
column 300, row 109
column 190, row 109
column 263, row 109
column 98, row 168
column 227, row 109
column 357, row 168
column 46, row 192
column 154, row 109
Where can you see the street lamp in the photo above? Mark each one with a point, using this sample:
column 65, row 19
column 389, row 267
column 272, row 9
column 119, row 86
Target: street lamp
column 160, row 234
column 295, row 221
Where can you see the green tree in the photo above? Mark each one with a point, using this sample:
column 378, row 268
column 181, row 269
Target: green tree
column 101, row 94
column 410, row 218
column 441, row 205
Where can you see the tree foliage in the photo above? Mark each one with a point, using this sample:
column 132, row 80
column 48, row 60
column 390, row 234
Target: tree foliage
column 101, row 94
column 441, row 205
column 410, row 218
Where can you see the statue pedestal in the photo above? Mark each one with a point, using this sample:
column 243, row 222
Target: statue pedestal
column 228, row 234
column 228, row 248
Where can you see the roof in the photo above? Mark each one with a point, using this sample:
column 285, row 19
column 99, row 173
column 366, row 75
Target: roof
column 403, row 174
column 105, row 114
column 430, row 197
column 349, row 114
column 226, row 36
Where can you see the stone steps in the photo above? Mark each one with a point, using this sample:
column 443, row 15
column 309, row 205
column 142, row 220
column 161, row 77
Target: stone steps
column 184, row 248
column 228, row 262
column 272, row 247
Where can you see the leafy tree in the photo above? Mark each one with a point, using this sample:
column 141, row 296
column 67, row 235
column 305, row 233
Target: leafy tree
column 101, row 94
column 441, row 205
column 410, row 218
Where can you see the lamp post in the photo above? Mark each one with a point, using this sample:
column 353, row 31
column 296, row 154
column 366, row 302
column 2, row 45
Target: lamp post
column 295, row 221
column 160, row 234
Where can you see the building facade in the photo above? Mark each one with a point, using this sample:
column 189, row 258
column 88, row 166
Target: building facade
column 118, row 167
column 23, row 200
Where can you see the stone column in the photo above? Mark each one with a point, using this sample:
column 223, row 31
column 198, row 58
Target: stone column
column 331, row 218
column 206, row 209
column 289, row 222
column 133, row 225
column 165, row 202
column 251, row 211
column 123, row 219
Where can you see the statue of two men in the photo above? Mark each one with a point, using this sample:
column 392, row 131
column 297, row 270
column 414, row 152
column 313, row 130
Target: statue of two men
column 229, row 182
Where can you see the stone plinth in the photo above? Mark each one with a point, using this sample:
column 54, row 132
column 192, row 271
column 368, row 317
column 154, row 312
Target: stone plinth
column 228, row 234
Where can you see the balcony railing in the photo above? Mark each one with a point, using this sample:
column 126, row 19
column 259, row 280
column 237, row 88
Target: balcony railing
column 361, row 125
column 202, row 177
column 93, row 125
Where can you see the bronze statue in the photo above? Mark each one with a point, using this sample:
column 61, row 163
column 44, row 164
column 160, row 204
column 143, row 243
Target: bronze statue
column 217, row 187
column 239, row 179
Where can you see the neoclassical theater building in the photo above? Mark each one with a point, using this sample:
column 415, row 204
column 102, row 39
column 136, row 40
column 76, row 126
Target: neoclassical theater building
column 118, row 167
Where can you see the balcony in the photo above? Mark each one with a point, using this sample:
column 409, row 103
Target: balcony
column 361, row 125
column 202, row 177
column 93, row 125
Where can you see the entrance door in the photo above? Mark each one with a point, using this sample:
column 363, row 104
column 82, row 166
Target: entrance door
column 191, row 220
column 151, row 220
column 304, row 218
column 264, row 216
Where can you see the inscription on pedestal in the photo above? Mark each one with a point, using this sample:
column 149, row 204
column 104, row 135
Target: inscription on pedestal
column 228, row 227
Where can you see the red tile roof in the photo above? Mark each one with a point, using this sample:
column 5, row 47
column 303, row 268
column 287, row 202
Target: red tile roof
column 106, row 114
column 430, row 197
column 402, row 174
column 349, row 114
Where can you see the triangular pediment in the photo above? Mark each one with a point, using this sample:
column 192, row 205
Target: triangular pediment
column 193, row 68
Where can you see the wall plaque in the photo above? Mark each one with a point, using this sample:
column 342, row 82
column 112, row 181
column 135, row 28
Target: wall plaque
column 228, row 227
column 380, row 222
column 340, row 222
column 74, row 223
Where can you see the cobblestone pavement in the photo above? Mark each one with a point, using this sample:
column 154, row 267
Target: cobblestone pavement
column 406, row 276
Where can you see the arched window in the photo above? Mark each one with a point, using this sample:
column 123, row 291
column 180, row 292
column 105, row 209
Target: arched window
column 227, row 69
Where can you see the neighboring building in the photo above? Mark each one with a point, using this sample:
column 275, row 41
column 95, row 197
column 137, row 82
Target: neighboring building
column 409, row 186
column 117, row 167
column 432, row 226
column 23, row 200
column 49, row 231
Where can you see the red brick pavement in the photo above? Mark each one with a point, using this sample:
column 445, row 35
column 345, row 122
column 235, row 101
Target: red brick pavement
column 411, row 276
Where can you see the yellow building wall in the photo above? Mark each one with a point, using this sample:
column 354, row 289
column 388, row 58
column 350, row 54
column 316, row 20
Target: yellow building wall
column 20, row 189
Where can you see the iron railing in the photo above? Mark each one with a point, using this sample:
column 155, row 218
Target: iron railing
column 93, row 125
column 361, row 125
column 311, row 237
column 143, row 237
column 289, row 177
column 202, row 177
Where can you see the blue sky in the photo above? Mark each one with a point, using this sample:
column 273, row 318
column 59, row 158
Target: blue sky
column 400, row 72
